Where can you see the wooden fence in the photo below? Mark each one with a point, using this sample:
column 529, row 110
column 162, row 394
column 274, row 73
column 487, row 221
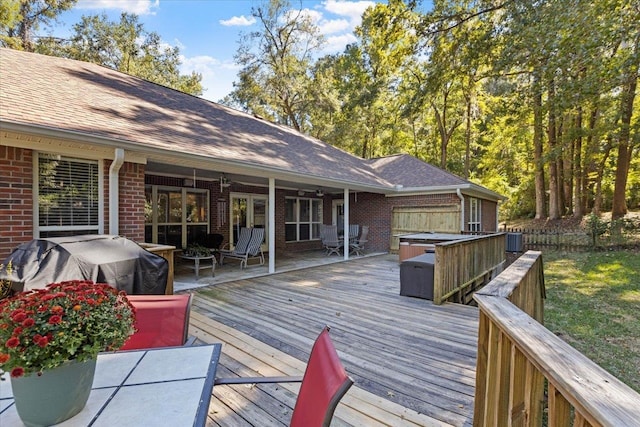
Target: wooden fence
column 463, row 266
column 572, row 239
column 517, row 354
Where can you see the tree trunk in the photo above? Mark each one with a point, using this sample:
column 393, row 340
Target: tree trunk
column 597, row 203
column 554, row 208
column 537, row 150
column 578, row 171
column 619, row 207
column 467, row 153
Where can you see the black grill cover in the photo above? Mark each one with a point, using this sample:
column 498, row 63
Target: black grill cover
column 115, row 260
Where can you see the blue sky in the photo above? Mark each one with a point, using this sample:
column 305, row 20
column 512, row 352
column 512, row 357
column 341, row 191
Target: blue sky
column 207, row 31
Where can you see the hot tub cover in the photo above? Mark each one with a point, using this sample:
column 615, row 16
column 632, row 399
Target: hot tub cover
column 115, row 260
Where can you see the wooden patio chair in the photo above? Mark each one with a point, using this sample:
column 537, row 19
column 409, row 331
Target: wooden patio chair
column 324, row 383
column 252, row 248
column 357, row 247
column 161, row 321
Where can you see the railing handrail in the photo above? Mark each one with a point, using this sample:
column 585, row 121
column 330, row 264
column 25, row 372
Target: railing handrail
column 508, row 335
column 600, row 397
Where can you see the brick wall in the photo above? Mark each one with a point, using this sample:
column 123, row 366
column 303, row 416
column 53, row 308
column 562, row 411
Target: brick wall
column 16, row 198
column 376, row 211
column 131, row 201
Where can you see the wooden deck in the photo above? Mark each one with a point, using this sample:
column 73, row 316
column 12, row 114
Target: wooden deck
column 413, row 362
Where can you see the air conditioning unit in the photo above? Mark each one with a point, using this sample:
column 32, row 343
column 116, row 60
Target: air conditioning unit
column 514, row 242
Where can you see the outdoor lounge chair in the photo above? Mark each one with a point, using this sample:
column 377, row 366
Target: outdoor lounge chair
column 357, row 246
column 246, row 249
column 324, row 383
column 161, row 321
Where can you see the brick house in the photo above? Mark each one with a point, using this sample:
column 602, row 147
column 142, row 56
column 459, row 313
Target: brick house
column 85, row 149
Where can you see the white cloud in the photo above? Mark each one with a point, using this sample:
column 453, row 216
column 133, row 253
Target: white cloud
column 139, row 7
column 333, row 26
column 217, row 75
column 238, row 21
column 351, row 9
column 335, row 44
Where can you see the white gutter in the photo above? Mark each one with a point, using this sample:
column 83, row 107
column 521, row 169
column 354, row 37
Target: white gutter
column 114, row 191
column 461, row 197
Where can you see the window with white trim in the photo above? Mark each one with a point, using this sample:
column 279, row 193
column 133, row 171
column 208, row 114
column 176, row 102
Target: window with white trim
column 303, row 218
column 474, row 214
column 68, row 196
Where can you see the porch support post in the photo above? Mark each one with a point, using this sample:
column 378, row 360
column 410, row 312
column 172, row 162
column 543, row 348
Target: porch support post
column 345, row 234
column 114, row 192
column 272, row 225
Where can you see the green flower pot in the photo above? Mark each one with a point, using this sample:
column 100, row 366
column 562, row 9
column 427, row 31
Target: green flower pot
column 56, row 395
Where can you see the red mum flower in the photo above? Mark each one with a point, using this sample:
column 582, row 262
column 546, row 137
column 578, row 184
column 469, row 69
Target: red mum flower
column 28, row 322
column 12, row 342
column 4, row 358
column 41, row 341
column 18, row 316
column 17, row 372
column 17, row 331
column 55, row 319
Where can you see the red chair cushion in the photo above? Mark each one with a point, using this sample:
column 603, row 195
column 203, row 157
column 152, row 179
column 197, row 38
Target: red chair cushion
column 161, row 321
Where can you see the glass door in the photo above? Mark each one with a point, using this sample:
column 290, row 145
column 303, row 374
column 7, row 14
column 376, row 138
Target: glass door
column 248, row 210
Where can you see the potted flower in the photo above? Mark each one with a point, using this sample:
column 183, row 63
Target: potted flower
column 196, row 250
column 48, row 334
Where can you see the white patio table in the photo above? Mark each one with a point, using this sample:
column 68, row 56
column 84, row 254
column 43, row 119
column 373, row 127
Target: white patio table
column 166, row 386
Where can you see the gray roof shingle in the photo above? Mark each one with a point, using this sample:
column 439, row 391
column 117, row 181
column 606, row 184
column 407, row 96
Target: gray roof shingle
column 73, row 96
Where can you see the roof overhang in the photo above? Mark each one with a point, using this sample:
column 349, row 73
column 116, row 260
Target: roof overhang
column 469, row 189
column 189, row 160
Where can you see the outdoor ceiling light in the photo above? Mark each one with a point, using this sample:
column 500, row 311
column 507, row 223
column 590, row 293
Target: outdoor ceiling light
column 319, row 192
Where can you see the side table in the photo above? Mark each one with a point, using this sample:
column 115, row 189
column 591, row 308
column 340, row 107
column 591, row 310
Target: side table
column 197, row 267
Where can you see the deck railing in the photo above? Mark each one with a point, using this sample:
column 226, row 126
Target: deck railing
column 517, row 354
column 462, row 266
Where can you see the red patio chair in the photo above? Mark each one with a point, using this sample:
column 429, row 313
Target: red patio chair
column 324, row 383
column 161, row 321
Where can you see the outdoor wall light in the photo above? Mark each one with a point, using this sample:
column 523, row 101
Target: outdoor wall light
column 224, row 182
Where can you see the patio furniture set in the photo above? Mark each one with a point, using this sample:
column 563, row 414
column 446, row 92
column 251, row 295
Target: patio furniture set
column 333, row 241
column 248, row 246
column 151, row 364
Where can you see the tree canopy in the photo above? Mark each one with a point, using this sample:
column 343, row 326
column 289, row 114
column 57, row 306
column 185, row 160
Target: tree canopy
column 124, row 46
column 535, row 100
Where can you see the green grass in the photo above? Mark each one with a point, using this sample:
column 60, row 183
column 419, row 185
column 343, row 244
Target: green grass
column 593, row 303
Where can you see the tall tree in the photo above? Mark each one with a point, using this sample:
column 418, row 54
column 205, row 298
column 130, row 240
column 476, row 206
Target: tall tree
column 276, row 64
column 20, row 19
column 126, row 46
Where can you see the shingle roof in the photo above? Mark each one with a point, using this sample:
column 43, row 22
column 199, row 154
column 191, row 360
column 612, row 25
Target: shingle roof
column 406, row 170
column 87, row 99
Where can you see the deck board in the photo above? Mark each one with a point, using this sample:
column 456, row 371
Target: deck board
column 413, row 362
